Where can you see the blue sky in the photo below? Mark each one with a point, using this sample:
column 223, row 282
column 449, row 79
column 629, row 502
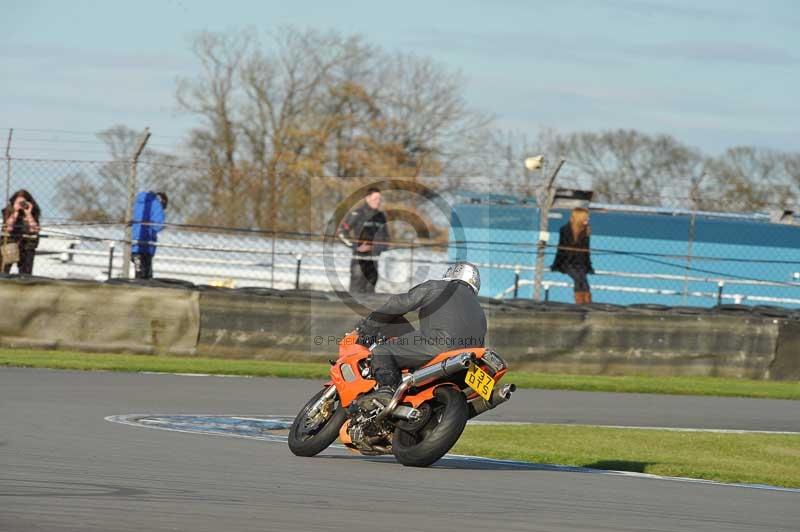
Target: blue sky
column 714, row 74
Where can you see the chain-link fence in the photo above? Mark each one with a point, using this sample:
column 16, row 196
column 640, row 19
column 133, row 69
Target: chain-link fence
column 649, row 256
column 252, row 227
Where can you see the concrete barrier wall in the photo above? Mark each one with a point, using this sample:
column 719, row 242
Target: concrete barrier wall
column 88, row 316
column 299, row 325
column 597, row 342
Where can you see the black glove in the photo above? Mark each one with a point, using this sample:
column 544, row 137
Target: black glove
column 365, row 328
column 368, row 333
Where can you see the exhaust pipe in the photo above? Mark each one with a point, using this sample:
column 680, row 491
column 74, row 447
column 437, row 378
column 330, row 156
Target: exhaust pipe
column 446, row 368
column 499, row 396
column 426, row 375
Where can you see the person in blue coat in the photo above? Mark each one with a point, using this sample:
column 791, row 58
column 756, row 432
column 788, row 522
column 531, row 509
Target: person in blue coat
column 148, row 220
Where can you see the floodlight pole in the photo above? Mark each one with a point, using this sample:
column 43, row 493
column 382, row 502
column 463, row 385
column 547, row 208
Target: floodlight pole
column 546, row 197
column 8, row 162
column 126, row 249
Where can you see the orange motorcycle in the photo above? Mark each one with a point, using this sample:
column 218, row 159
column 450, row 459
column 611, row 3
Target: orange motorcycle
column 424, row 418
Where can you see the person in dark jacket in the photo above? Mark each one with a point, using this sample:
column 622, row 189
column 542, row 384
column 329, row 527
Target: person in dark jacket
column 365, row 231
column 573, row 257
column 21, row 225
column 148, row 221
column 450, row 317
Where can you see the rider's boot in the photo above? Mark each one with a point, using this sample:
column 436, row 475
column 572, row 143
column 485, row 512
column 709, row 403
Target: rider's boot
column 381, row 394
column 386, row 385
column 384, row 394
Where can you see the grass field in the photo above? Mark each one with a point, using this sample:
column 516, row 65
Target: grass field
column 261, row 368
column 772, row 459
column 166, row 364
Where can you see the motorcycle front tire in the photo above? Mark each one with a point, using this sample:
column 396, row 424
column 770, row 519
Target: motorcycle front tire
column 303, row 444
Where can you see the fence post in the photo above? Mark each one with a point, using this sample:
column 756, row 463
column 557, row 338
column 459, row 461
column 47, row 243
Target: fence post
column 297, row 275
column 110, row 259
column 8, row 163
column 516, row 283
column 126, row 250
column 272, row 262
column 690, row 246
column 546, row 292
column 67, row 257
column 547, row 196
column 720, row 287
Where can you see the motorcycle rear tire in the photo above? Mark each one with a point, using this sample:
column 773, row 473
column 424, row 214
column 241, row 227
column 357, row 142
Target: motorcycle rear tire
column 429, row 444
column 314, row 444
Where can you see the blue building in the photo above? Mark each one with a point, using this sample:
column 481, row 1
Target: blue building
column 641, row 254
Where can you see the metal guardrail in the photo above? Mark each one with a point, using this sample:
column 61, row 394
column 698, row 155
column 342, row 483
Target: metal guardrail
column 718, row 295
column 66, row 256
column 297, row 265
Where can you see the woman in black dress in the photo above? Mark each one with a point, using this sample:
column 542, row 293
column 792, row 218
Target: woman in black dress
column 573, row 257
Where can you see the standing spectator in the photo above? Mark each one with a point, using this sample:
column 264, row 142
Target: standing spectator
column 573, row 256
column 21, row 226
column 365, row 231
column 148, row 220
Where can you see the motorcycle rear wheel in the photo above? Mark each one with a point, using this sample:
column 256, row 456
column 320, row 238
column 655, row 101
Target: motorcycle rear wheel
column 425, row 446
column 308, row 437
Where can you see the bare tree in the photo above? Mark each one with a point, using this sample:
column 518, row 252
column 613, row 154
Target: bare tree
column 504, row 154
column 284, row 124
column 634, row 168
column 212, row 96
column 630, row 167
column 747, row 179
column 102, row 195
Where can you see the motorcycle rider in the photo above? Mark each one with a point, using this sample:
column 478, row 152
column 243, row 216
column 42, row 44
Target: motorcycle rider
column 450, row 317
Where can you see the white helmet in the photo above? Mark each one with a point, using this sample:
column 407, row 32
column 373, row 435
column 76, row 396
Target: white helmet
column 464, row 271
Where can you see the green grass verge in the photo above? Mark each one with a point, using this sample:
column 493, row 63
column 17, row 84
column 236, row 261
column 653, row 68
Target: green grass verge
column 772, row 459
column 719, row 386
column 263, row 368
column 168, row 364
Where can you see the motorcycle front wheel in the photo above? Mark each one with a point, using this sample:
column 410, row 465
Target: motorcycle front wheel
column 423, row 447
column 312, row 435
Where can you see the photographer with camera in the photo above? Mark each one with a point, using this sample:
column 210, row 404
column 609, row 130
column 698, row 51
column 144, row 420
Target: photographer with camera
column 20, row 232
column 148, row 221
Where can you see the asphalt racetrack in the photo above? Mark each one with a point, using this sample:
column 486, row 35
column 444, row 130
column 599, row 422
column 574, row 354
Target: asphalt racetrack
column 64, row 467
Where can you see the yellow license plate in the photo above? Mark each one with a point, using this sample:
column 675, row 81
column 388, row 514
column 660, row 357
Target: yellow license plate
column 480, row 381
